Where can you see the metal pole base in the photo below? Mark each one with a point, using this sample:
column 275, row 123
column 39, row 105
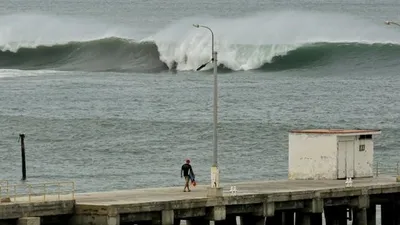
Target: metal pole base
column 214, row 177
column 215, row 190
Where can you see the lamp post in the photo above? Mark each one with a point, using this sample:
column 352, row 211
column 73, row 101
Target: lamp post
column 392, row 22
column 214, row 167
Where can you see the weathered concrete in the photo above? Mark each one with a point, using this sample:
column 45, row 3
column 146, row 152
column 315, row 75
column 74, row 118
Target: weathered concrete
column 167, row 217
column 315, row 205
column 29, row 221
column 214, row 192
column 36, row 209
column 277, row 191
column 95, row 220
column 265, row 209
column 253, row 201
column 360, row 216
column 217, row 213
column 323, row 153
column 230, row 220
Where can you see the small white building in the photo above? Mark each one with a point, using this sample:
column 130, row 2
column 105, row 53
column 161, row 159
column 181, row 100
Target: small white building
column 330, row 154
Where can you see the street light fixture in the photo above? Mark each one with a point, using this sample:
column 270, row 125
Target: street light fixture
column 392, row 22
column 214, row 167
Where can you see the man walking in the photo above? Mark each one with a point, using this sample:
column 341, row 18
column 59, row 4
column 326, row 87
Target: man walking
column 186, row 170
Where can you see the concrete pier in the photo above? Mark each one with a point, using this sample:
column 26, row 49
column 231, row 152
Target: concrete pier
column 287, row 202
column 29, row 221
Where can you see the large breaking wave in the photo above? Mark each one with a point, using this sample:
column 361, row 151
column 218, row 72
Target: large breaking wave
column 266, row 41
column 110, row 54
column 121, row 55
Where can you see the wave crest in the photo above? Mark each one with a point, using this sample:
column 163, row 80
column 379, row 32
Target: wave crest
column 265, row 41
column 122, row 55
column 109, row 54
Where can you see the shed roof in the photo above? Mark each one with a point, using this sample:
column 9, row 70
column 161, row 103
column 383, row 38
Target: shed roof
column 337, row 131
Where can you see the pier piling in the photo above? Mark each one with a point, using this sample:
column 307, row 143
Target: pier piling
column 22, row 138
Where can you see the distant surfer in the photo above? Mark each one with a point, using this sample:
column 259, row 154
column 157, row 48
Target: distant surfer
column 185, row 172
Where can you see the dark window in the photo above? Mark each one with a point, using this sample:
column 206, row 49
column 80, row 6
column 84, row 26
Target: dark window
column 364, row 137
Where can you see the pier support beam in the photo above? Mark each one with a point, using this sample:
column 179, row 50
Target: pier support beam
column 359, row 206
column 167, row 217
column 29, row 221
column 312, row 212
column 314, row 206
column 360, row 216
column 95, row 220
column 267, row 210
column 335, row 215
column 217, row 213
column 230, row 220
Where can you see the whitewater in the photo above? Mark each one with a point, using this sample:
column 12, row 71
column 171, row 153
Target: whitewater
column 264, row 41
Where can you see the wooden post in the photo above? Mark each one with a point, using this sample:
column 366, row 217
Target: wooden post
column 22, row 136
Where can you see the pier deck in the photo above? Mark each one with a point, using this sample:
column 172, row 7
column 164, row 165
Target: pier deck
column 244, row 188
column 258, row 199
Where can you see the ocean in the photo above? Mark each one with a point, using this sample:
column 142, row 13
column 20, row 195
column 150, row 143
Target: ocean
column 108, row 95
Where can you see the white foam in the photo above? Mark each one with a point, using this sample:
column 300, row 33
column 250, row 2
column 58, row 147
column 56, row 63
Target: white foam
column 249, row 42
column 6, row 73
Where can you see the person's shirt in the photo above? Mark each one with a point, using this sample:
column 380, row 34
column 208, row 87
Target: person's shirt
column 186, row 168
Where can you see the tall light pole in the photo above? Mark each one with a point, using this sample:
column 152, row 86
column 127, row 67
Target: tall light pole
column 392, row 22
column 214, row 167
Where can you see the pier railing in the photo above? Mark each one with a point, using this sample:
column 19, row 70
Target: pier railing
column 386, row 169
column 34, row 192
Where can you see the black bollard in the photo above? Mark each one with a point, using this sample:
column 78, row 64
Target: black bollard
column 22, row 136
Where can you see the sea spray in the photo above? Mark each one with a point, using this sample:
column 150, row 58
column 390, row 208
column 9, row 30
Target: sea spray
column 30, row 30
column 250, row 42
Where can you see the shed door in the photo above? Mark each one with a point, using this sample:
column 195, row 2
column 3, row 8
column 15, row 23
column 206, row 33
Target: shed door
column 346, row 159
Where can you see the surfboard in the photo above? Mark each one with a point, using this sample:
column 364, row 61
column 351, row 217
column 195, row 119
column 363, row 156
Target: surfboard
column 192, row 179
